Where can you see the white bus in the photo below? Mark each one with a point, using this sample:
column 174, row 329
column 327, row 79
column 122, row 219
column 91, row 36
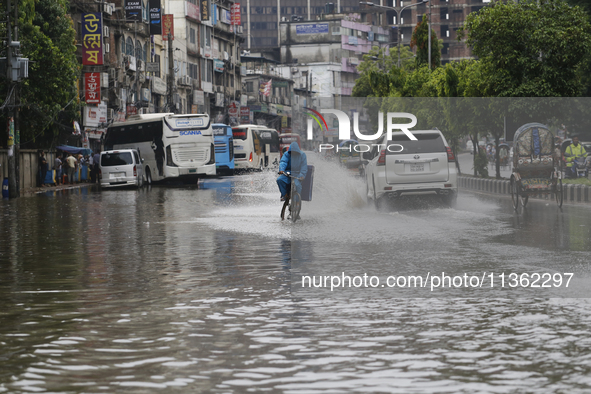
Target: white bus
column 172, row 146
column 255, row 147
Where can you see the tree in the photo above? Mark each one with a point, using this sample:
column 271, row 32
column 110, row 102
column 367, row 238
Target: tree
column 49, row 96
column 530, row 48
column 420, row 40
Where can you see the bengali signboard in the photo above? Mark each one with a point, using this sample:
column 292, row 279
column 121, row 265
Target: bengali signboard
column 205, row 10
column 167, row 26
column 92, row 88
column 155, row 17
column 94, row 115
column 133, row 10
column 92, row 39
column 218, row 65
column 235, row 14
column 314, row 28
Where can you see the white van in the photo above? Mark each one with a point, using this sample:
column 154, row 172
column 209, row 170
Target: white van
column 255, row 147
column 121, row 167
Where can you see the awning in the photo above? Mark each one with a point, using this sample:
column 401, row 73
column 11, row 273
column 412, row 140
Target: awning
column 74, row 150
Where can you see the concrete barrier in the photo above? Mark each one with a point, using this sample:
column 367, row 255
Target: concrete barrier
column 572, row 193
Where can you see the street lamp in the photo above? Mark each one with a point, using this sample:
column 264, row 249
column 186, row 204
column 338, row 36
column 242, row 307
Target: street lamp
column 398, row 11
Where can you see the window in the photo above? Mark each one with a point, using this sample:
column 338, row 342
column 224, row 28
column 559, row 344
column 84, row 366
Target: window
column 209, row 70
column 145, row 52
column 192, row 35
column 138, row 50
column 129, row 47
column 123, row 45
column 207, row 37
column 249, row 87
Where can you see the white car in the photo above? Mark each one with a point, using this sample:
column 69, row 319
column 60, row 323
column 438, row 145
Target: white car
column 403, row 167
column 121, row 167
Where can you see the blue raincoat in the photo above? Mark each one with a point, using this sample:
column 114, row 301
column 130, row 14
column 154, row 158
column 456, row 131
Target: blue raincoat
column 294, row 161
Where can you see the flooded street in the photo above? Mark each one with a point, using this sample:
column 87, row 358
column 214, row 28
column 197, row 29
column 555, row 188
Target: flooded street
column 186, row 289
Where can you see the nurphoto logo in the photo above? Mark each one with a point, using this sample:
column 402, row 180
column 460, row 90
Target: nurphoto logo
column 345, row 128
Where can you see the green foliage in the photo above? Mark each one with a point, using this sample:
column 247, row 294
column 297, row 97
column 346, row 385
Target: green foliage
column 47, row 38
column 481, row 164
column 420, row 40
column 529, row 48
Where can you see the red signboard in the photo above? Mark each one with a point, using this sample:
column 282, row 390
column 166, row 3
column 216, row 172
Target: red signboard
column 167, row 26
column 244, row 111
column 235, row 16
column 131, row 110
column 92, row 39
column 92, row 88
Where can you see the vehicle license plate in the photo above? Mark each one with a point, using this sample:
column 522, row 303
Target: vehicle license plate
column 417, row 167
column 117, row 174
column 193, row 170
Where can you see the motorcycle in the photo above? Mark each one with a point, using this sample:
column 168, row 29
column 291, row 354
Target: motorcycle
column 579, row 168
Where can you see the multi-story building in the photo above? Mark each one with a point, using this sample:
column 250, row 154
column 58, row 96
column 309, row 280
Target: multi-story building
column 447, row 16
column 205, row 58
column 209, row 78
column 261, row 18
column 269, row 94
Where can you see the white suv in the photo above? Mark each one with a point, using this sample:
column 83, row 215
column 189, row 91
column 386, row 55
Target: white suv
column 404, row 167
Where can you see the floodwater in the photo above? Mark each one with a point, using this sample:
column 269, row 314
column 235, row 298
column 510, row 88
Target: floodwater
column 200, row 290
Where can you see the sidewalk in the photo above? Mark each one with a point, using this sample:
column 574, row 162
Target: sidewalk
column 38, row 190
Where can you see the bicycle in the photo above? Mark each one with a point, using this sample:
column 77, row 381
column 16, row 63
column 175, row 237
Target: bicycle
column 294, row 197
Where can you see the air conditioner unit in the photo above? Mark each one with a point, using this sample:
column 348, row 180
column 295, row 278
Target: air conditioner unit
column 294, row 69
column 112, row 74
column 239, row 29
column 110, row 113
column 107, row 47
column 359, row 33
column 127, row 81
column 108, row 8
column 106, row 31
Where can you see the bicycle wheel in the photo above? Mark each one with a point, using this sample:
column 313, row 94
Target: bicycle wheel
column 558, row 192
column 515, row 194
column 296, row 206
column 285, row 205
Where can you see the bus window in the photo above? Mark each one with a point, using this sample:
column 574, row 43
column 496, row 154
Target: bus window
column 239, row 134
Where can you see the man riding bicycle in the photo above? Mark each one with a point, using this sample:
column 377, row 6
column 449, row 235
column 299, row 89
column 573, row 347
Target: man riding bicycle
column 296, row 162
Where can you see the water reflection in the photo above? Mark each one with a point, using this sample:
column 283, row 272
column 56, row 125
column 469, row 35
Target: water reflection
column 194, row 289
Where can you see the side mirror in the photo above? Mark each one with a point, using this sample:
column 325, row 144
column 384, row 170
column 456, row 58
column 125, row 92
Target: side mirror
column 367, row 156
column 142, row 159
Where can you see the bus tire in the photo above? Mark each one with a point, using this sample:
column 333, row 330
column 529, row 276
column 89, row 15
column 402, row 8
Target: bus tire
column 148, row 176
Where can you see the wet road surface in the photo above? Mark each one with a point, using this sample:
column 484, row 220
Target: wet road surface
column 199, row 290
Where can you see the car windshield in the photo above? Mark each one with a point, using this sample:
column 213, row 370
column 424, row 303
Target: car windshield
column 116, row 159
column 425, row 143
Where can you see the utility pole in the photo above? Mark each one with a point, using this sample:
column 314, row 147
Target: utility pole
column 171, row 104
column 429, row 28
column 13, row 183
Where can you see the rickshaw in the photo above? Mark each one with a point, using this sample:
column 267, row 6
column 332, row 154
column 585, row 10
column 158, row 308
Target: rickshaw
column 504, row 153
column 535, row 165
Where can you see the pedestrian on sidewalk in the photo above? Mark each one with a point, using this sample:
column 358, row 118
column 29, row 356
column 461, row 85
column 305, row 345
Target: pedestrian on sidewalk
column 57, row 166
column 96, row 159
column 71, row 160
column 42, row 168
